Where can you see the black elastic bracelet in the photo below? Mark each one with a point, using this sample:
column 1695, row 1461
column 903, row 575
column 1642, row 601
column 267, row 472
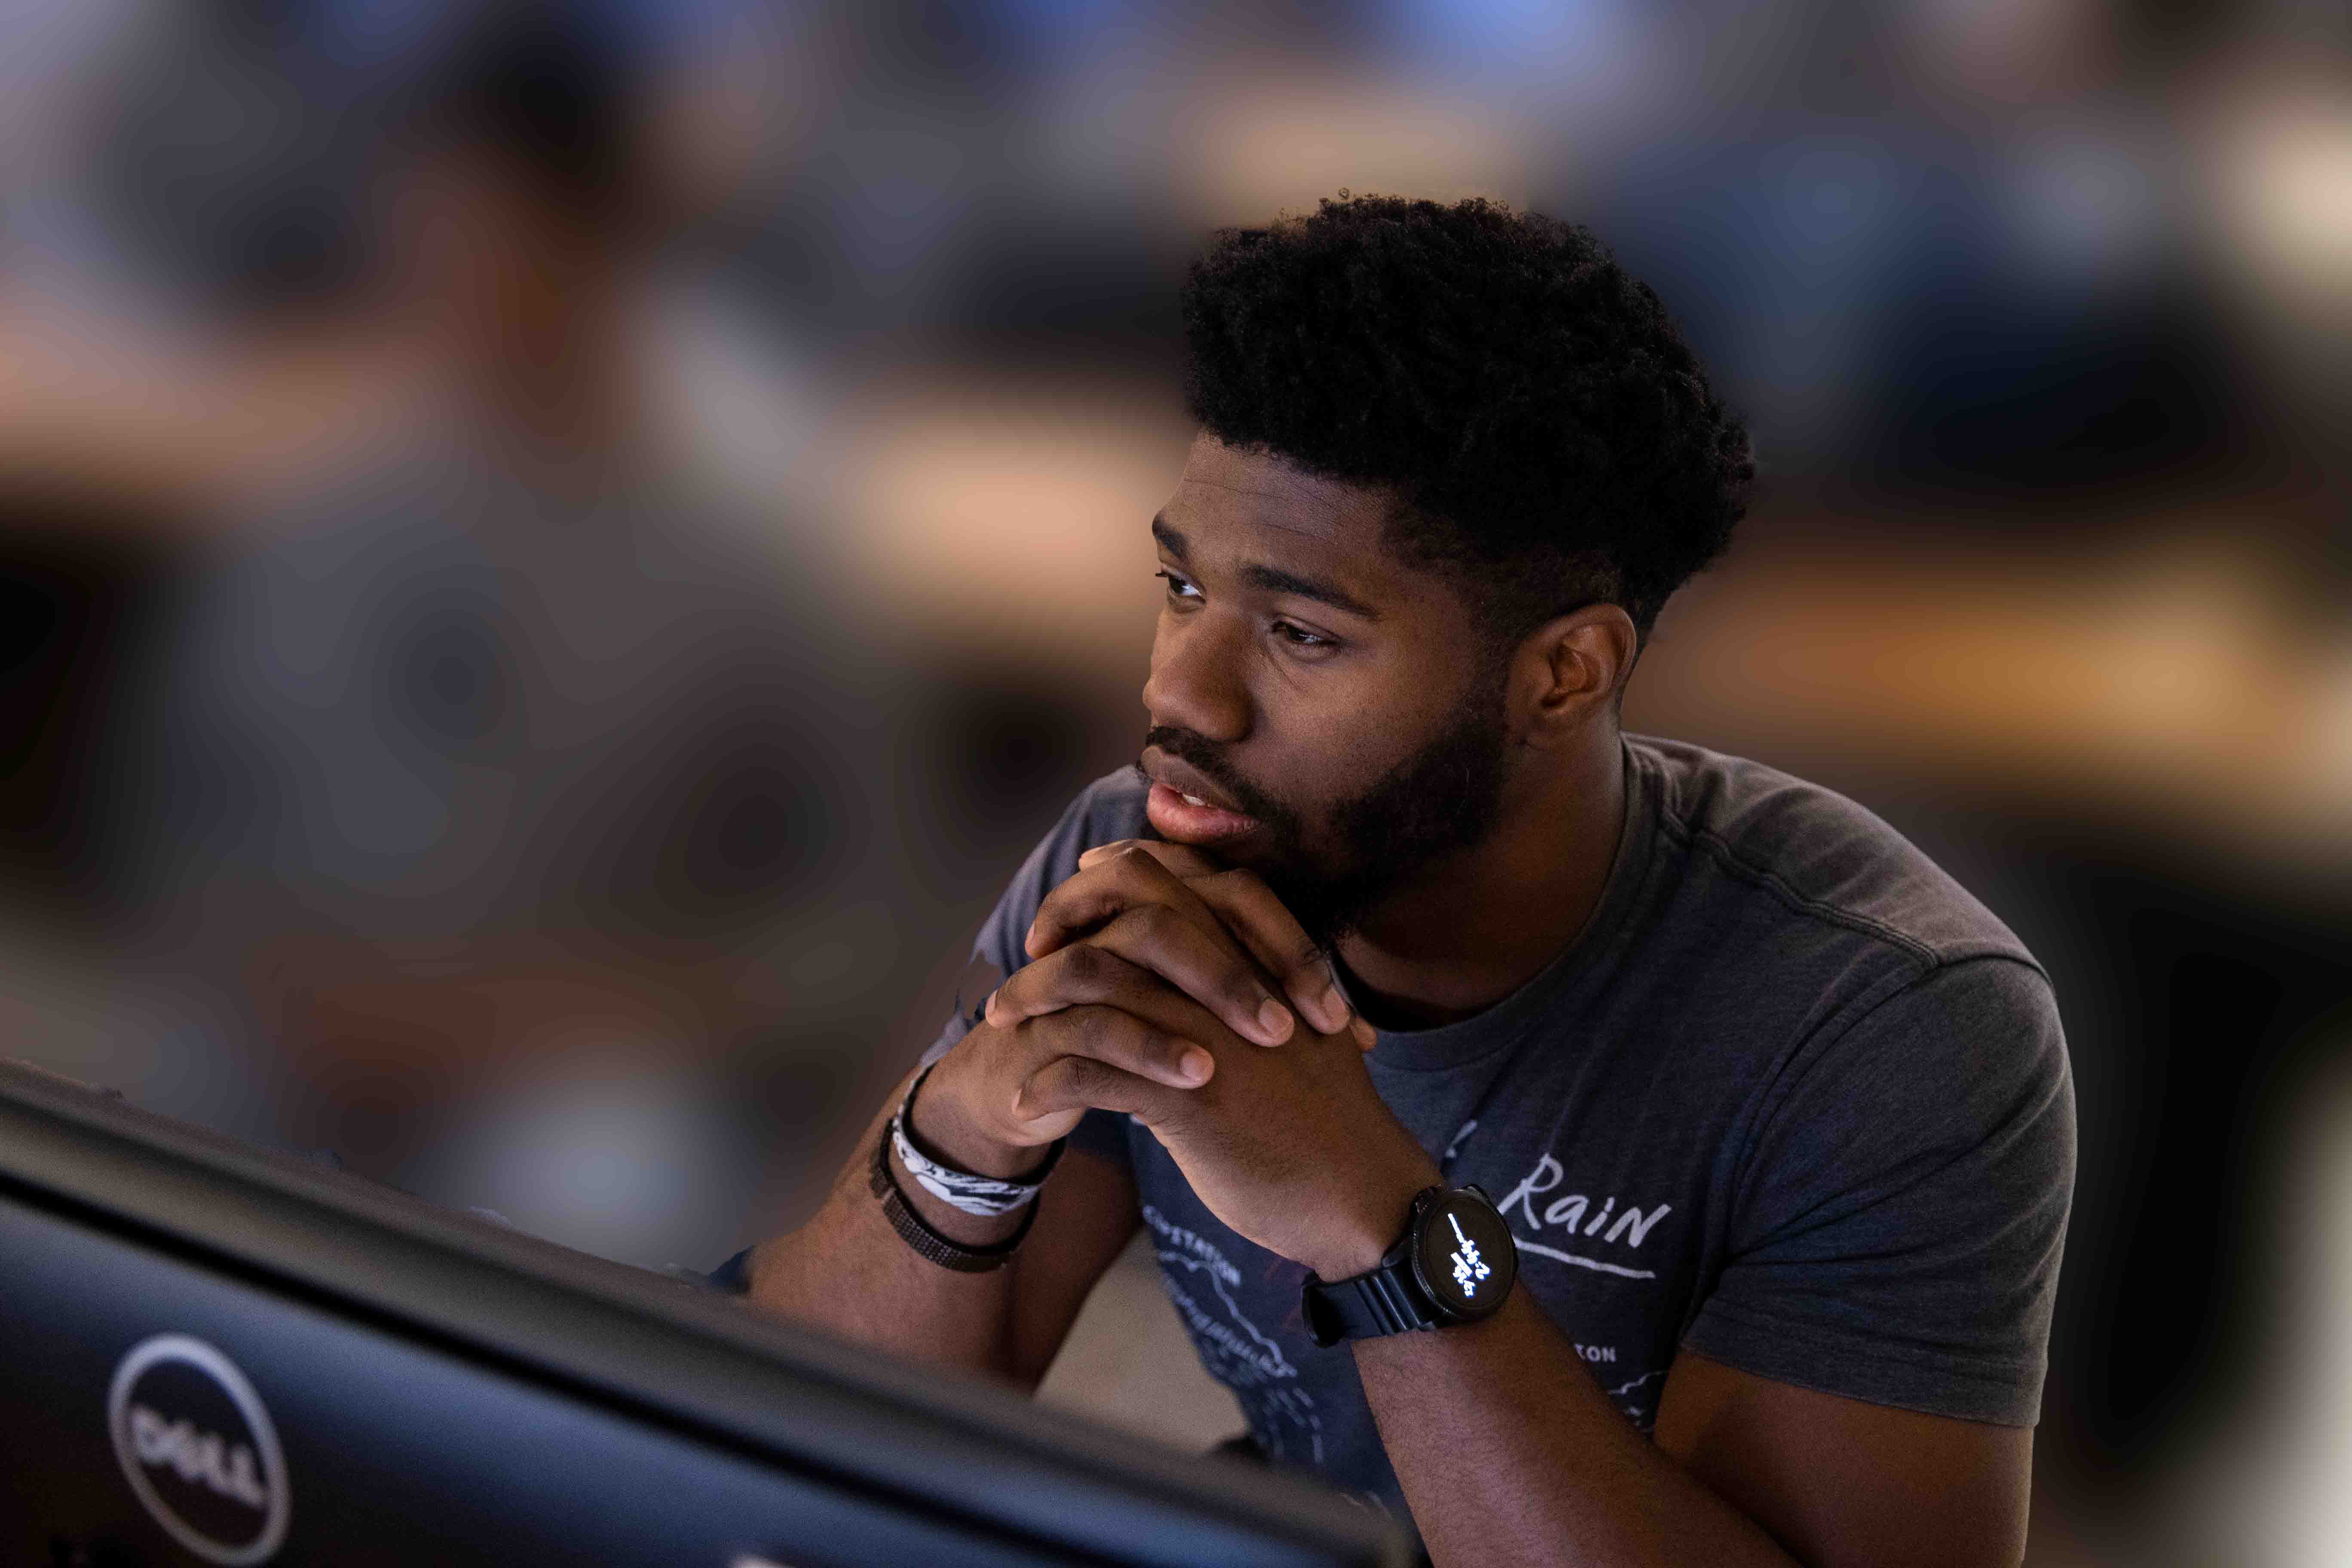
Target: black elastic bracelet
column 929, row 1244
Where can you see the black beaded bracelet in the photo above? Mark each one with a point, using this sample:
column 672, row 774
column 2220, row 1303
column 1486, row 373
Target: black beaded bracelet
column 929, row 1244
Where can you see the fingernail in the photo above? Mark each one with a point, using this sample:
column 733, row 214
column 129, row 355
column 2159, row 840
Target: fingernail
column 1274, row 1019
column 1194, row 1065
column 1334, row 1008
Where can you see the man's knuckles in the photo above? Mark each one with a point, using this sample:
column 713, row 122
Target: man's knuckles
column 1082, row 971
column 1092, row 1032
column 1069, row 1083
column 1059, row 1085
column 1125, row 1042
column 1158, row 930
column 1079, row 973
column 1149, row 948
column 1149, row 927
column 1097, row 894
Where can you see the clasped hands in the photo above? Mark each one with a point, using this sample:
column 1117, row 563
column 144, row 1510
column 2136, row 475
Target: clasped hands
column 1157, row 986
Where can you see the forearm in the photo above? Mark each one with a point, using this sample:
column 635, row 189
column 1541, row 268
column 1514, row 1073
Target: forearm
column 1509, row 1453
column 847, row 1271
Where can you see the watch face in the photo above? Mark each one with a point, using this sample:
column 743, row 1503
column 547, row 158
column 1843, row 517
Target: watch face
column 1463, row 1256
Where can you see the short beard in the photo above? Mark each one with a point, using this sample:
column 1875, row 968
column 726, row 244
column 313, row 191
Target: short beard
column 1446, row 797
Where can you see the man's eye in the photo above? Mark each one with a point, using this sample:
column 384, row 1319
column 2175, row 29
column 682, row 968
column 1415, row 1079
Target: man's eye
column 1298, row 637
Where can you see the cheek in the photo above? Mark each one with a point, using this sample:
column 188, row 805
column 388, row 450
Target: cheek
column 1340, row 744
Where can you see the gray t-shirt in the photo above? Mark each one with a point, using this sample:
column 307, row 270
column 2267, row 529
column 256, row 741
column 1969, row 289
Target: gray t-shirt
column 1793, row 1099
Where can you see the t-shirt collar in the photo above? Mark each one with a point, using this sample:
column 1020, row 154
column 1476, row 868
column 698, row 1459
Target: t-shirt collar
column 1579, row 963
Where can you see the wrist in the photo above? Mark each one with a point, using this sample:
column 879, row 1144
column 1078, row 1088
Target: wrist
column 1365, row 1229
column 938, row 1121
column 968, row 1229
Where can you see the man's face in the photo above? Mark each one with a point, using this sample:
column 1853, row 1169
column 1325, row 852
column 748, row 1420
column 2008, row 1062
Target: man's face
column 1330, row 694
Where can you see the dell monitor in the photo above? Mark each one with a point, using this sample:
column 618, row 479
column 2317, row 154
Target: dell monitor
column 214, row 1354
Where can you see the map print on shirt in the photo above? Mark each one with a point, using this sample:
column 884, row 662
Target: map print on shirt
column 1234, row 1349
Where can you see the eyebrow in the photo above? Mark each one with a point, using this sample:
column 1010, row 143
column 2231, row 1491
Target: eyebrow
column 1272, row 579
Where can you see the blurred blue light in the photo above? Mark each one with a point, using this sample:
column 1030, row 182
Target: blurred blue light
column 1510, row 36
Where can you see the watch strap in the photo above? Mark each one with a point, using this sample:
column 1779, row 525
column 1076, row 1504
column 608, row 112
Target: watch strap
column 1383, row 1299
column 1407, row 1289
column 1380, row 1301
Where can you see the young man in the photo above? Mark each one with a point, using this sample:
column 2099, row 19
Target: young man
column 1772, row 1120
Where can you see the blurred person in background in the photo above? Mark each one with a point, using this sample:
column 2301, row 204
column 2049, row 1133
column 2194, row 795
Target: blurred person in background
column 1773, row 1121
column 488, row 728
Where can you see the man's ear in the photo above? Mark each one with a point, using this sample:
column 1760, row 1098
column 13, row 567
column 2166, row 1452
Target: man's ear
column 1568, row 672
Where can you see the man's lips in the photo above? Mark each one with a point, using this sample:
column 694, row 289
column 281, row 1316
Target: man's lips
column 1206, row 817
column 1186, row 780
column 1180, row 821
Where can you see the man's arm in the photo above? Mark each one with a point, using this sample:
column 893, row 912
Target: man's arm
column 848, row 1272
column 1840, row 1481
column 1510, row 1453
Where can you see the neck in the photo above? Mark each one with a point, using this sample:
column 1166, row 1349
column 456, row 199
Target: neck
column 1477, row 927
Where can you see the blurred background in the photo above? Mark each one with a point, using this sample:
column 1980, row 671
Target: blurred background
column 553, row 562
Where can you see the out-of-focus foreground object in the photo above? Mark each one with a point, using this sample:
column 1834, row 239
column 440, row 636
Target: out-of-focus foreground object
column 254, row 1358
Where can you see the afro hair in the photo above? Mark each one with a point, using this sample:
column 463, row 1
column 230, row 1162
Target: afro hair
column 1550, row 439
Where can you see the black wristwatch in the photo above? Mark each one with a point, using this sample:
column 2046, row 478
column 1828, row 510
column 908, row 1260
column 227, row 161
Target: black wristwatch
column 1453, row 1264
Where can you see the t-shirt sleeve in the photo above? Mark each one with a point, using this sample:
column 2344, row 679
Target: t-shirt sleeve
column 1099, row 815
column 1897, row 1237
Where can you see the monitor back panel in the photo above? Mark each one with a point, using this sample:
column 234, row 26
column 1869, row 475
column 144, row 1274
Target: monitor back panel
column 387, row 1450
column 210, row 1353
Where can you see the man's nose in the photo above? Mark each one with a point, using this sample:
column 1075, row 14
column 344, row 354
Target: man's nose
column 1195, row 682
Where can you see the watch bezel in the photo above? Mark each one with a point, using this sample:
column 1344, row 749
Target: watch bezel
column 1428, row 1207
column 1395, row 1295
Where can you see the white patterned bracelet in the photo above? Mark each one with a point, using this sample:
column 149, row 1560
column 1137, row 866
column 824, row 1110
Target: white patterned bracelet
column 971, row 1192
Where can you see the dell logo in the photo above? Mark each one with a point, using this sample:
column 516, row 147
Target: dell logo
column 198, row 1449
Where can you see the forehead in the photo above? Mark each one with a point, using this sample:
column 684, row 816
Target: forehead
column 1240, row 507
